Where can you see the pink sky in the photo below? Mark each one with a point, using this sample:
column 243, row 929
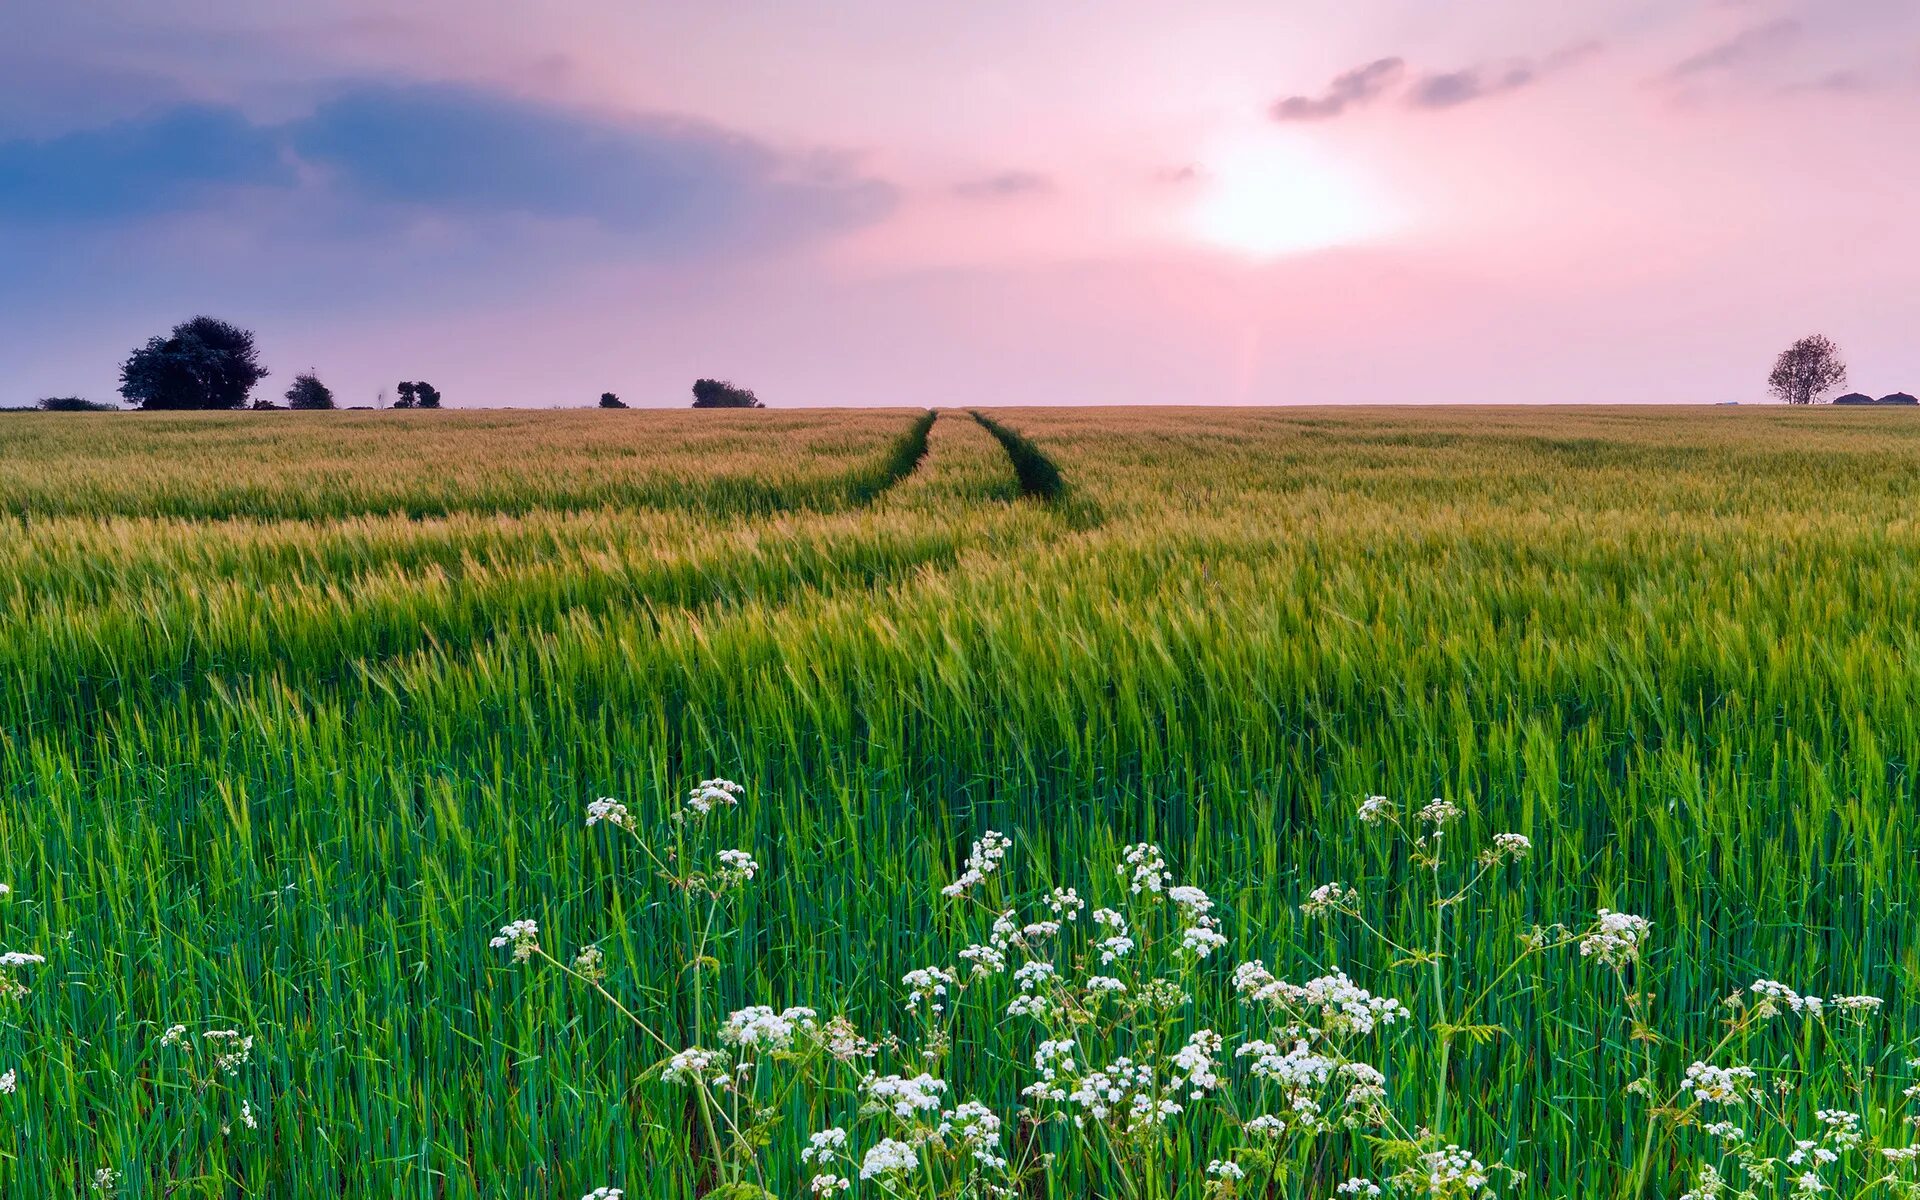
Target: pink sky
column 1085, row 202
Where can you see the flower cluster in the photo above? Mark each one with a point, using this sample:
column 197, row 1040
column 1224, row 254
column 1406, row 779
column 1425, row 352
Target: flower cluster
column 982, row 861
column 1615, row 937
column 522, row 936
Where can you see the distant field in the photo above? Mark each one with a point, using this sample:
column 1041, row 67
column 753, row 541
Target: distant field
column 298, row 709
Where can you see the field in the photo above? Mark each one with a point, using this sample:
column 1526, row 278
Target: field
column 299, row 710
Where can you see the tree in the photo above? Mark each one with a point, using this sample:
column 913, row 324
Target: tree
column 1807, row 370
column 718, row 393
column 203, row 363
column 609, row 400
column 308, row 392
column 425, row 395
column 406, row 396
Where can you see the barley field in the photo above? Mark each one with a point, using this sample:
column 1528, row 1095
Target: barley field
column 303, row 711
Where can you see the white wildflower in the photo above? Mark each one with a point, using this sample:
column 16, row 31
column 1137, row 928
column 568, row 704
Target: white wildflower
column 1375, row 809
column 1509, row 847
column 905, row 1096
column 1326, row 898
column 522, row 936
column 983, row 860
column 825, row 1145
column 889, row 1157
column 1709, row 1084
column 1147, row 867
column 1615, row 937
column 229, row 1049
column 736, row 867
column 607, row 809
column 760, row 1027
column 930, row 984
column 712, row 794
column 694, row 1065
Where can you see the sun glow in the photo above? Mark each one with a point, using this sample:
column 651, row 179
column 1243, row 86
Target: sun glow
column 1271, row 195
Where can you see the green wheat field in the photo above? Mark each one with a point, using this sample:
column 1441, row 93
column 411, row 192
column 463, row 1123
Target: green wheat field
column 300, row 710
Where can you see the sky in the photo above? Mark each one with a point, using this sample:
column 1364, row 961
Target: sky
column 864, row 202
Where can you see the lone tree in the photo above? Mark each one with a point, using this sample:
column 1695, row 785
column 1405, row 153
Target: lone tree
column 718, row 393
column 1807, row 370
column 609, row 400
column 418, row 395
column 203, row 363
column 308, row 392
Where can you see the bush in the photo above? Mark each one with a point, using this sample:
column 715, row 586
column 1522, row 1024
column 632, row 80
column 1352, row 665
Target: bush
column 418, row 395
column 73, row 404
column 308, row 392
column 609, row 400
column 718, row 393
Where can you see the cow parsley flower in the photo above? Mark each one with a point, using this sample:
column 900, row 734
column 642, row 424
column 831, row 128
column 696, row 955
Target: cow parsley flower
column 229, row 1049
column 1508, row 847
column 982, row 860
column 522, row 936
column 1614, row 937
column 986, row 960
column 607, row 809
column 1193, row 1063
column 1709, row 1084
column 1144, row 862
column 1066, row 902
column 590, row 964
column 760, row 1027
column 905, row 1096
column 1114, row 948
column 1440, row 1172
column 826, row 1184
column 978, row 1129
column 694, row 1065
column 889, row 1157
column 930, row 984
column 1203, row 937
column 1358, row 1186
column 9, row 1082
column 1438, row 812
column 825, row 1145
column 1220, row 1168
column 604, row 1193
column 713, row 793
column 1328, row 897
column 1375, row 809
column 736, row 868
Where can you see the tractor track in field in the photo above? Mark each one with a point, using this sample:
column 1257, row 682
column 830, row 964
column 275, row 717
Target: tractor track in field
column 1038, row 475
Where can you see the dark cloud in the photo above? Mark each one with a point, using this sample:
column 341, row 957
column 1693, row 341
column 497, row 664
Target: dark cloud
column 1453, row 88
column 1834, row 83
column 1004, row 184
column 1433, row 90
column 1754, row 42
column 181, row 158
column 387, row 153
column 1362, row 85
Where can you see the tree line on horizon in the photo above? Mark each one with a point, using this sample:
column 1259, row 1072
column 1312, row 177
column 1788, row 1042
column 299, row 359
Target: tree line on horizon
column 208, row 364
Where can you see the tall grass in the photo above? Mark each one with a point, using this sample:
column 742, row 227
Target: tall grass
column 285, row 771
